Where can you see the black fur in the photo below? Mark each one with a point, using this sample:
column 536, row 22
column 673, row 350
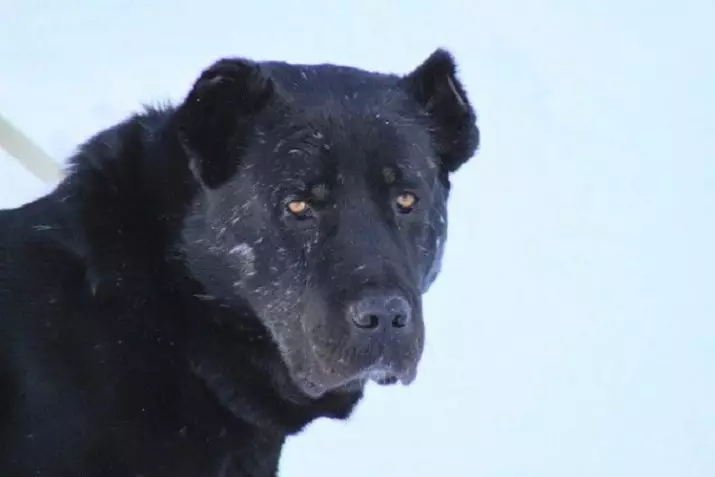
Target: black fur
column 163, row 313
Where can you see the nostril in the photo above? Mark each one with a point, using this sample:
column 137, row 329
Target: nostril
column 400, row 320
column 400, row 312
column 368, row 321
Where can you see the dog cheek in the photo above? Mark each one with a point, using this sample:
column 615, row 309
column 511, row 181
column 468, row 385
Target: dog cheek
column 433, row 248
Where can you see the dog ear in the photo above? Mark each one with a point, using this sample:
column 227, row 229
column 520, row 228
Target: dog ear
column 437, row 90
column 215, row 121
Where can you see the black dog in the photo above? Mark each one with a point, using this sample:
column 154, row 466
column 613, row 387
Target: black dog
column 210, row 278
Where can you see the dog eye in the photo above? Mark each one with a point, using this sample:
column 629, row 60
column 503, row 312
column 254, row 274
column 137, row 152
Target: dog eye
column 406, row 202
column 299, row 208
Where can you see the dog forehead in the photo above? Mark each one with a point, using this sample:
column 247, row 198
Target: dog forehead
column 343, row 141
column 311, row 84
column 340, row 121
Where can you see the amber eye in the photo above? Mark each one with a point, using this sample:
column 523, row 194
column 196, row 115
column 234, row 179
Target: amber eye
column 406, row 202
column 297, row 207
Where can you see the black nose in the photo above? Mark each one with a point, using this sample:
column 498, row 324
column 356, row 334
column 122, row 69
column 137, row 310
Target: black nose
column 375, row 312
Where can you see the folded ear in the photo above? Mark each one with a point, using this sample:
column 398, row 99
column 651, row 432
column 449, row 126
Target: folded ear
column 435, row 87
column 215, row 120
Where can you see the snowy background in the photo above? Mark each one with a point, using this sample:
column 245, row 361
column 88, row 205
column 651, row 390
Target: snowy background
column 572, row 330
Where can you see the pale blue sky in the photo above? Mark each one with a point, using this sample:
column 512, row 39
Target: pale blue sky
column 571, row 332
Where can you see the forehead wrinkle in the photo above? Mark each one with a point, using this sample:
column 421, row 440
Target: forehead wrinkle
column 295, row 160
column 303, row 143
column 320, row 191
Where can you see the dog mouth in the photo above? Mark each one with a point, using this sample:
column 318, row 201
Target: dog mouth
column 384, row 370
column 318, row 384
column 388, row 377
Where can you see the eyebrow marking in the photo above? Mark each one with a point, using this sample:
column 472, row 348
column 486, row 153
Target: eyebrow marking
column 389, row 174
column 320, row 191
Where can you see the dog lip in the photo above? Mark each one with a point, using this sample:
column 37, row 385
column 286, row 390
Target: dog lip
column 381, row 376
column 408, row 377
column 386, row 376
column 317, row 379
